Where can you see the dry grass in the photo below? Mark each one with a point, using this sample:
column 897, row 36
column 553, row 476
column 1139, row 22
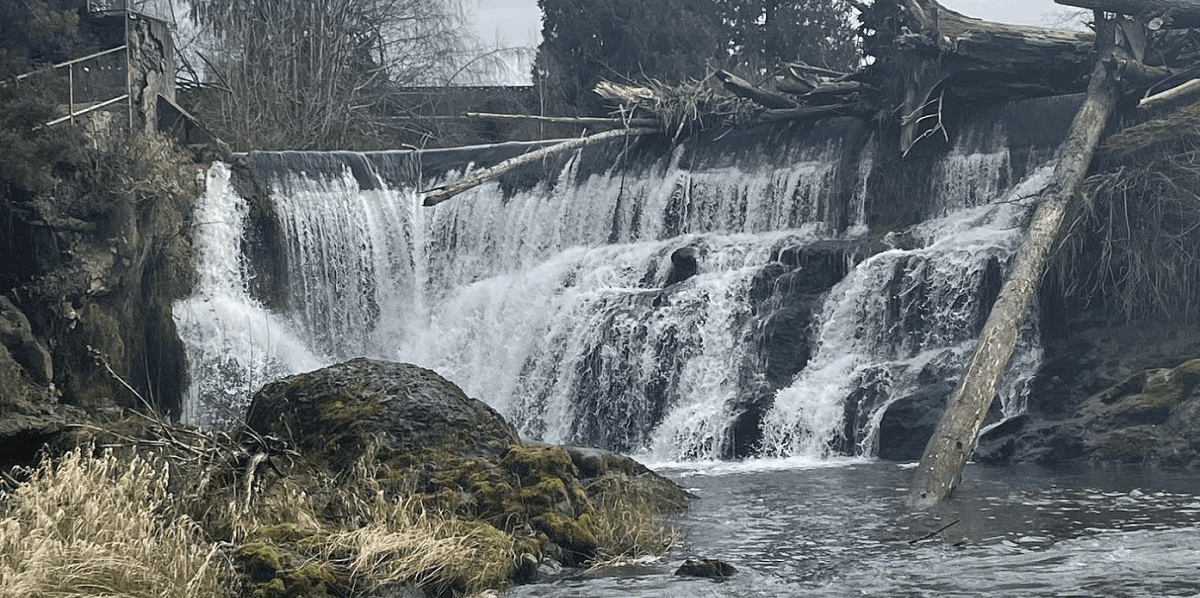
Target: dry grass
column 172, row 511
column 636, row 526
column 375, row 537
column 101, row 526
column 440, row 553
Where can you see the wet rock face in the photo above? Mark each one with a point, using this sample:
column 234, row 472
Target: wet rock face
column 29, row 413
column 96, row 267
column 17, row 336
column 1149, row 418
column 787, row 293
column 684, row 265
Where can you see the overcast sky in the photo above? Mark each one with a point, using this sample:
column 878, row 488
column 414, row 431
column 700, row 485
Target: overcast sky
column 1044, row 13
column 510, row 22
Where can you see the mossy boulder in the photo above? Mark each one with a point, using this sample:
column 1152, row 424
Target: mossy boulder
column 278, row 571
column 423, row 436
column 533, row 491
column 402, row 412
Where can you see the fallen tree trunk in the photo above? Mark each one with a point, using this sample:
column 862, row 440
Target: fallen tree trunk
column 986, row 58
column 814, row 112
column 946, row 453
column 585, row 121
column 437, row 195
column 938, row 51
column 742, row 88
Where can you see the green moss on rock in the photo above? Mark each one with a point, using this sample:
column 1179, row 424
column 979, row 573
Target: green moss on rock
column 262, row 561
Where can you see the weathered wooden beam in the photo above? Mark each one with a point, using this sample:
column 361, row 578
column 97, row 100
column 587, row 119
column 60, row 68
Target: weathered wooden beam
column 800, row 67
column 835, row 89
column 814, row 112
column 953, row 441
column 624, row 94
column 438, row 195
column 799, row 78
column 1156, row 13
column 793, row 83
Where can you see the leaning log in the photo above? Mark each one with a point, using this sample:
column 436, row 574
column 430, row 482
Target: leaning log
column 1168, row 13
column 437, row 195
column 946, row 453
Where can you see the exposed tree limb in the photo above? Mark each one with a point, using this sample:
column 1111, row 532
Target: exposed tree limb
column 1188, row 89
column 437, row 195
column 942, row 463
column 567, row 120
column 1134, row 74
column 742, row 88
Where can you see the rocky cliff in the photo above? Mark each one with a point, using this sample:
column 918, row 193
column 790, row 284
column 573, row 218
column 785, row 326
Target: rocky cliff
column 92, row 269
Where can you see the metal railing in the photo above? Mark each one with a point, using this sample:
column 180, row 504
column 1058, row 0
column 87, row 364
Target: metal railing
column 89, row 89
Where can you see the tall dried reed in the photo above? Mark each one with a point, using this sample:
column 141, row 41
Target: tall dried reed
column 102, row 526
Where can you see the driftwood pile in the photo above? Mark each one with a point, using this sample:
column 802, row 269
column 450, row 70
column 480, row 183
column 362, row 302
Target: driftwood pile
column 922, row 58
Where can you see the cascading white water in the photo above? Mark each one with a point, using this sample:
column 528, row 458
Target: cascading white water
column 356, row 263
column 563, row 308
column 590, row 344
column 899, row 312
column 233, row 344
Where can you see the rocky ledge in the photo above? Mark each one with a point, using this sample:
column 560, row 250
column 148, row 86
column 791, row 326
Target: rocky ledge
column 1148, row 419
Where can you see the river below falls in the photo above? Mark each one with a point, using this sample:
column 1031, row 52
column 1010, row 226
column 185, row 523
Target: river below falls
column 842, row 529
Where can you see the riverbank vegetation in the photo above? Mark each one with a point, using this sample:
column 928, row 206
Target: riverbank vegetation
column 148, row 508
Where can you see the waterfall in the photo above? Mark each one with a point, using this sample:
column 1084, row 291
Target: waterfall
column 902, row 314
column 234, row 345
column 699, row 303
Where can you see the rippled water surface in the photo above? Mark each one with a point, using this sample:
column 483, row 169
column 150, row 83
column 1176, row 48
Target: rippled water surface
column 843, row 530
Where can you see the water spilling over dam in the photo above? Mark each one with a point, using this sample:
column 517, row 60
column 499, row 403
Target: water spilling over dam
column 773, row 293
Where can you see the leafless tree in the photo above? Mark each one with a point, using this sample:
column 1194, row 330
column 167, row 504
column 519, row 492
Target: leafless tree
column 319, row 74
